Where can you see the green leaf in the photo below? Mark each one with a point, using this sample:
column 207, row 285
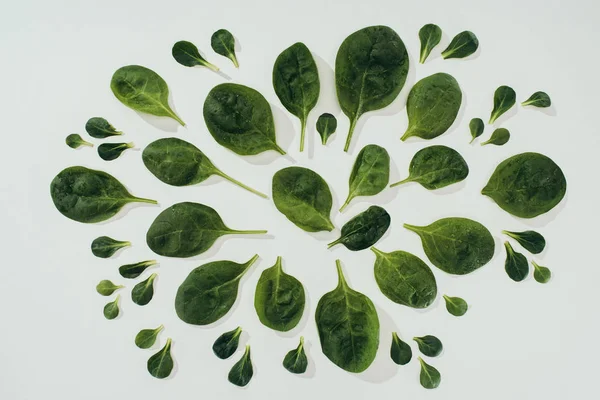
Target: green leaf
column 160, row 364
column 499, row 137
column 131, row 271
column 430, row 36
column 187, row 229
column 430, row 377
column 338, row 316
column 429, row 345
column 143, row 90
column 105, row 247
column 296, row 83
column 240, row 119
column 86, row 195
column 147, row 337
column 223, row 43
column 142, row 293
column 456, row 306
column 476, row 127
column 526, row 185
column 74, row 141
column 209, row 291
column 187, row 54
column 370, row 173
column 435, row 167
column 304, row 198
column 371, row 67
column 516, row 265
column 364, row 230
column 404, row 278
column 326, row 126
column 530, row 240
column 400, row 352
column 227, row 343
column 455, row 245
column 100, row 128
column 279, row 299
column 504, row 98
column 432, row 106
column 180, row 163
column 538, row 99
column 111, row 310
column 295, row 360
column 241, row 372
column 112, row 151
column 106, row 287
column 462, row 45
column 541, row 274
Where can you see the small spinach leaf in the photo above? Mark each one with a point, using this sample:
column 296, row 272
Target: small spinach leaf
column 429, row 345
column 112, row 151
column 241, row 372
column 435, row 167
column 499, row 137
column 142, row 293
column 209, row 291
column 227, row 343
column 105, row 247
column 430, row 377
column 430, row 36
column 111, row 310
column 538, row 99
column 326, row 126
column 541, row 274
column 456, row 306
column 74, row 141
column 147, row 337
column 364, row 230
column 131, row 271
column 462, row 45
column 100, row 128
column 187, row 54
column 400, row 352
column 516, row 265
column 160, row 364
column 223, row 43
column 296, row 83
column 476, row 127
column 106, row 287
column 295, row 360
column 530, row 240
column 504, row 98
column 432, row 106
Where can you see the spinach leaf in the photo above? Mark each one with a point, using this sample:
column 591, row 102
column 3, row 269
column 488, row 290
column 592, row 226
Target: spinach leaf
column 504, row 98
column 180, row 163
column 147, row 337
column 541, row 274
column 404, row 278
column 304, row 198
column 370, row 173
column 436, row 167
column 86, row 195
column 538, row 99
column 432, row 106
column 240, row 119
column 456, row 306
column 530, row 240
column 429, row 345
column 131, row 271
column 516, row 265
column 227, row 343
column 295, row 360
column 223, row 43
column 112, row 151
column 105, row 247
column 430, row 377
column 430, row 36
column 296, row 83
column 106, row 287
column 143, row 90
column 499, row 137
column 160, row 364
column 400, row 352
column 209, row 291
column 462, row 45
column 371, row 67
column 111, row 310
column 326, row 126
column 526, row 185
column 476, row 127
column 74, row 141
column 348, row 326
column 241, row 372
column 455, row 245
column 100, row 128
column 142, row 293
column 279, row 299
column 187, row 229
column 187, row 54
column 364, row 230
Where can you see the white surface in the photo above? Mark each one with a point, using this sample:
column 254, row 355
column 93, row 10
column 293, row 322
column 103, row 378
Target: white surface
column 518, row 340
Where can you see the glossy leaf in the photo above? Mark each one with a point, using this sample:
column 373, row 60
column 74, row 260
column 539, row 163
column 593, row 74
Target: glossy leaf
column 326, row 126
column 504, row 98
column 400, row 351
column 105, row 247
column 131, row 271
column 241, row 372
column 142, row 293
column 430, row 36
column 160, row 364
column 462, row 45
column 187, row 54
column 74, row 141
column 223, row 43
column 371, row 67
column 530, row 240
column 106, row 287
column 100, row 128
column 516, row 265
column 209, row 291
column 364, row 230
column 430, row 377
column 456, row 306
column 476, row 127
column 147, row 337
column 538, row 99
column 86, row 195
column 227, row 343
column 111, row 310
column 541, row 274
column 112, row 151
column 295, row 360
column 187, row 229
column 429, row 345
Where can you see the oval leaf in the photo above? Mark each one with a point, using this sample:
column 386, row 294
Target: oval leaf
column 541, row 274
column 147, row 337
column 227, row 343
column 500, row 137
column 456, row 306
column 105, row 247
column 430, row 377
column 400, row 352
column 223, row 43
column 462, row 45
column 295, row 360
column 106, row 287
column 430, row 36
column 538, row 99
column 476, row 127
column 74, row 141
column 241, row 372
column 326, row 126
column 112, row 151
column 100, row 128
column 187, row 54
column 516, row 265
column 142, row 293
column 364, row 230
column 504, row 98
column 160, row 364
column 530, row 240
column 429, row 345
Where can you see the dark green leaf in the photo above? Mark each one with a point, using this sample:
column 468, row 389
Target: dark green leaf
column 147, row 337
column 295, row 360
column 430, row 377
column 187, row 54
column 241, row 372
column 530, row 240
column 526, row 185
column 348, row 326
column 364, row 230
column 498, row 138
column 106, row 287
column 429, row 345
column 303, row 197
column 131, row 271
column 143, row 90
column 371, row 67
column 112, row 151
column 435, row 167
column 279, row 299
column 111, row 310
column 227, row 343
column 160, row 365
column 105, row 247
column 516, row 265
column 476, row 127
column 240, row 119
column 504, row 98
column 86, row 195
column 404, row 278
column 100, row 128
column 432, row 106
column 455, row 245
column 326, row 126
column 541, row 274
column 74, row 141
column 430, row 36
column 456, row 306
column 209, row 291
column 400, row 352
column 187, row 229
column 538, row 99
column 142, row 293
column 296, row 83
column 462, row 45
column 223, row 43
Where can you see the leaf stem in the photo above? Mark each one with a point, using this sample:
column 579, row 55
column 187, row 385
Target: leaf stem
column 350, row 133
column 472, row 140
column 377, row 251
column 142, row 200
column 338, row 241
column 413, row 228
column 234, row 60
column 251, row 261
column 302, row 132
column 83, row 142
column 406, row 135
column 409, row 179
column 278, row 149
column 250, row 232
column 346, row 203
column 210, row 66
column 240, row 184
column 341, row 278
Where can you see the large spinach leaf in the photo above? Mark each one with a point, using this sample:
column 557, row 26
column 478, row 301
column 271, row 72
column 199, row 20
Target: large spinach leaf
column 364, row 230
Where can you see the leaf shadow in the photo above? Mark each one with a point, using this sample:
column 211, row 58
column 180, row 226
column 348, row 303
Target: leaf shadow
column 549, row 111
column 216, row 247
column 125, row 210
column 237, row 46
